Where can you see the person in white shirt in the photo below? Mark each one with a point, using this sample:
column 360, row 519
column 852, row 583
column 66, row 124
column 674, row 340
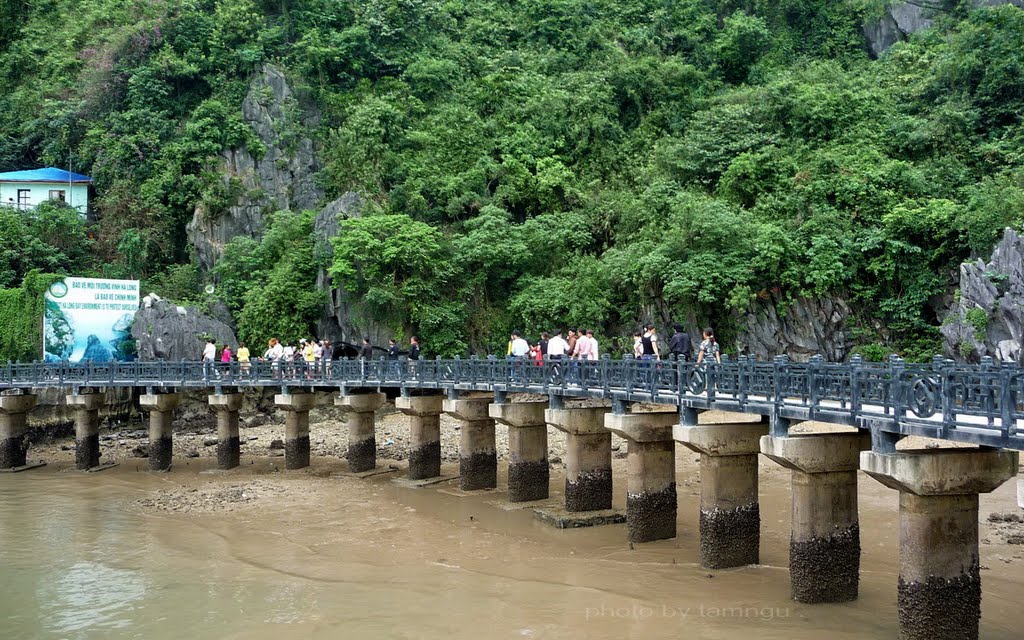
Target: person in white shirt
column 557, row 346
column 584, row 344
column 209, row 351
column 593, row 345
column 519, row 346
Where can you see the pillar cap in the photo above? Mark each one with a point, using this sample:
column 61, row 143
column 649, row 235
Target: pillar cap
column 519, row 414
column 361, row 402
column 468, row 409
column 741, row 438
column 578, row 421
column 87, row 401
column 420, row 405
column 642, row 427
column 159, row 401
column 225, row 401
column 18, row 404
column 295, row 401
column 817, row 452
column 941, row 472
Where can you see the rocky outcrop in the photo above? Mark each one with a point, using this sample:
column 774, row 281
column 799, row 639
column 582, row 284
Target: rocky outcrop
column 54, row 418
column 799, row 329
column 902, row 19
column 988, row 318
column 344, row 321
column 164, row 331
column 281, row 178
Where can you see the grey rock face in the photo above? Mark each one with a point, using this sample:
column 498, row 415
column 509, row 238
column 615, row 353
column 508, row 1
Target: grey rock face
column 53, row 409
column 905, row 18
column 809, row 326
column 282, row 178
column 162, row 333
column 988, row 320
column 344, row 320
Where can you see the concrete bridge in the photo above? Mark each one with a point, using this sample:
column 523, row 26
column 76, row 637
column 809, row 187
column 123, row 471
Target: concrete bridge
column 939, row 593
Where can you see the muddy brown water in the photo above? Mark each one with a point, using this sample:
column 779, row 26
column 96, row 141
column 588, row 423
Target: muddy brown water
column 256, row 553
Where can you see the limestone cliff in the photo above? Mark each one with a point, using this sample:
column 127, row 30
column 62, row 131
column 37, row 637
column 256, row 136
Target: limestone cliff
column 803, row 328
column 281, row 178
column 901, row 19
column 344, row 321
column 988, row 317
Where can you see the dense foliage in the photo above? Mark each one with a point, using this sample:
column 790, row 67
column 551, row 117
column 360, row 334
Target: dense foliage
column 529, row 163
column 21, row 309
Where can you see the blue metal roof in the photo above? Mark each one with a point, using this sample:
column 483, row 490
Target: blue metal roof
column 48, row 174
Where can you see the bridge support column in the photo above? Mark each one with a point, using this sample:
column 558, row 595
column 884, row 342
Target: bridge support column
column 229, row 448
column 13, row 421
column 730, row 514
column 1020, row 494
column 651, row 477
column 86, row 406
column 360, row 410
column 939, row 596
column 160, row 407
column 424, row 434
column 296, row 427
column 824, row 543
column 478, row 456
column 588, row 457
column 528, row 472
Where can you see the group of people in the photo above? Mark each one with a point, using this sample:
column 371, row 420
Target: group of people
column 582, row 345
column 645, row 345
column 579, row 344
column 225, row 355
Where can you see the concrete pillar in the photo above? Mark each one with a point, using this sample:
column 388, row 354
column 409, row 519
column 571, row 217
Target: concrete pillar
column 86, row 407
column 424, row 434
column 824, row 543
column 296, row 427
column 13, row 421
column 161, row 408
column 939, row 595
column 360, row 410
column 528, row 471
column 730, row 514
column 478, row 457
column 1020, row 494
column 651, row 473
column 588, row 457
column 229, row 448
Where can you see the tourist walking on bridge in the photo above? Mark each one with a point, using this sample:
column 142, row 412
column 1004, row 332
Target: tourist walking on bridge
column 708, row 349
column 243, row 357
column 557, row 346
column 649, row 342
column 519, row 350
column 414, row 355
column 274, row 353
column 679, row 344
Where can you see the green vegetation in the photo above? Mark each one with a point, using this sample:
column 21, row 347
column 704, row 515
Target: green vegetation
column 538, row 162
column 21, row 309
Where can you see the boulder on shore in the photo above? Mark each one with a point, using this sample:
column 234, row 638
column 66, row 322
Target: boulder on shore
column 165, row 331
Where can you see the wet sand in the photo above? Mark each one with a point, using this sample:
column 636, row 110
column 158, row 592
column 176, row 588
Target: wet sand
column 257, row 552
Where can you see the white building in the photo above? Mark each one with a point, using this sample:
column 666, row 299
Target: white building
column 26, row 189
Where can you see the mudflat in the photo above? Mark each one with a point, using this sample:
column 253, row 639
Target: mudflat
column 258, row 552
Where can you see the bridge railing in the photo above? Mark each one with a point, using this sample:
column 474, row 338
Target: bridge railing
column 939, row 398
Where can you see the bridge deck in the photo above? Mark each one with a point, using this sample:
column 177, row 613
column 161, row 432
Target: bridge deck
column 982, row 404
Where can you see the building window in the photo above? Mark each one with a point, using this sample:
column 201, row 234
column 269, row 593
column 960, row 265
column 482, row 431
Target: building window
column 23, row 198
column 58, row 195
